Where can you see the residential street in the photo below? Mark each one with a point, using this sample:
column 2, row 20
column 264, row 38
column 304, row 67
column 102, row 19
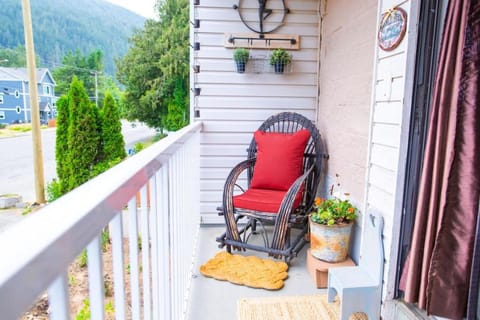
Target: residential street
column 16, row 164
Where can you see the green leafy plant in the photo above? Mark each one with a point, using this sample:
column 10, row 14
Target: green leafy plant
column 333, row 211
column 82, row 259
column 280, row 56
column 72, row 280
column 241, row 55
column 54, row 190
column 109, row 309
column 84, row 313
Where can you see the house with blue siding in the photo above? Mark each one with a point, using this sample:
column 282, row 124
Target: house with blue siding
column 15, row 96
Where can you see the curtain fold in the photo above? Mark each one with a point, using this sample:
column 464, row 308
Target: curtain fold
column 437, row 272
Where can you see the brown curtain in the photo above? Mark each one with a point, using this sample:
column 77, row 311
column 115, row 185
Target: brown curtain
column 437, row 272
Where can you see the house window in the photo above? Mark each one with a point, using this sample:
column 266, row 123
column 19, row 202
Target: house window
column 17, row 94
column 2, row 115
column 46, row 90
column 18, row 109
column 1, row 98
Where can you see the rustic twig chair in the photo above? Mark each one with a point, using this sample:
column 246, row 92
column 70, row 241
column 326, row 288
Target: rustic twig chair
column 283, row 169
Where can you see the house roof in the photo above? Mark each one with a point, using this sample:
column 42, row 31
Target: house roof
column 45, row 106
column 21, row 74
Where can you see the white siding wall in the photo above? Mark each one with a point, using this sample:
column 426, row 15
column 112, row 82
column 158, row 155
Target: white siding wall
column 389, row 125
column 233, row 105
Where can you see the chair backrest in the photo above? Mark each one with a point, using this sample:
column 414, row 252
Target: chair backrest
column 372, row 255
column 290, row 122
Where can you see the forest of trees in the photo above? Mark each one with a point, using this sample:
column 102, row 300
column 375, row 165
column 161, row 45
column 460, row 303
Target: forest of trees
column 70, row 26
column 154, row 72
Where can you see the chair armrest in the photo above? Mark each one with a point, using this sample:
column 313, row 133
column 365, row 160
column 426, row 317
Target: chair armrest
column 227, row 201
column 285, row 210
column 231, row 181
column 289, row 198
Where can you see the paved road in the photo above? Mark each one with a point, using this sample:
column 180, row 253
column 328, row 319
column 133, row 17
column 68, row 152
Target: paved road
column 16, row 159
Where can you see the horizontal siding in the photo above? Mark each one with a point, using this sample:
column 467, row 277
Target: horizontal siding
column 386, row 134
column 246, row 114
column 231, row 105
column 266, row 90
column 253, row 102
column 388, row 113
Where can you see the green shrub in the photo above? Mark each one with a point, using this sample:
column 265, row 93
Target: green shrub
column 139, row 146
column 82, row 259
column 84, row 313
column 280, row 56
column 241, row 55
column 113, row 145
column 54, row 190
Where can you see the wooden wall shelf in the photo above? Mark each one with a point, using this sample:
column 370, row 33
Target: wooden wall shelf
column 266, row 41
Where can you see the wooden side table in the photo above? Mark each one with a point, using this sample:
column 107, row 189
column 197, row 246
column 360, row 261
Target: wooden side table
column 318, row 269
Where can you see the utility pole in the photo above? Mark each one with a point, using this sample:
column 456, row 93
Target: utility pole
column 34, row 110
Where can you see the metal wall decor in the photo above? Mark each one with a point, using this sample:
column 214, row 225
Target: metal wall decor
column 267, row 17
column 392, row 28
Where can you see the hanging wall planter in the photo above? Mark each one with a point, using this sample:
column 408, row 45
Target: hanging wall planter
column 279, row 58
column 241, row 56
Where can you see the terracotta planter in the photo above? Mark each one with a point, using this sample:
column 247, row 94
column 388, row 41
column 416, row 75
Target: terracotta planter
column 330, row 243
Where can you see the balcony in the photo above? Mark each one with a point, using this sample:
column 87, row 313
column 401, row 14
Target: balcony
column 151, row 199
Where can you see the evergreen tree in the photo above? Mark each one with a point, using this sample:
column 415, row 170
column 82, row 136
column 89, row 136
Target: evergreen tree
column 83, row 67
column 158, row 59
column 61, row 142
column 83, row 140
column 113, row 145
column 176, row 116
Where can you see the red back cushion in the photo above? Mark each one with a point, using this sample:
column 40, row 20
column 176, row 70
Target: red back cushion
column 279, row 159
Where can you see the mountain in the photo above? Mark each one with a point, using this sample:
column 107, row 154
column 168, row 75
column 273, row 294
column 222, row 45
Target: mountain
column 61, row 26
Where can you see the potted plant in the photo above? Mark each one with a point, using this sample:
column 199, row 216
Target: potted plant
column 240, row 56
column 279, row 58
column 330, row 228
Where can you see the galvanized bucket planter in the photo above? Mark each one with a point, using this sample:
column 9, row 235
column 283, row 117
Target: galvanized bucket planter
column 330, row 243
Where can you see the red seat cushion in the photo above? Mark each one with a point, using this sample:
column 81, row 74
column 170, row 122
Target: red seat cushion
column 279, row 159
column 263, row 200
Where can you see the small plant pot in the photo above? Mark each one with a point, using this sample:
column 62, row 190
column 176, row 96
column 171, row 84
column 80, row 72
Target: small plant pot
column 330, row 243
column 279, row 67
column 240, row 66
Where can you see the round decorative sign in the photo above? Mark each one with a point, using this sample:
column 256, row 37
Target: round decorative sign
column 392, row 29
column 265, row 16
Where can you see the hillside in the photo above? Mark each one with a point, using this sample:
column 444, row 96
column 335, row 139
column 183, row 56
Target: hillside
column 60, row 26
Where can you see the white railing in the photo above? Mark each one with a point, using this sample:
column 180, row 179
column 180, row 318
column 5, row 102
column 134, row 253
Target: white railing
column 35, row 253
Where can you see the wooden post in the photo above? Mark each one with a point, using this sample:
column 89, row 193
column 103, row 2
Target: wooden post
column 34, row 110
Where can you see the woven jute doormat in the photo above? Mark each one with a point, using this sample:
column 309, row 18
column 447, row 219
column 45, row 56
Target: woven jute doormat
column 314, row 307
column 246, row 270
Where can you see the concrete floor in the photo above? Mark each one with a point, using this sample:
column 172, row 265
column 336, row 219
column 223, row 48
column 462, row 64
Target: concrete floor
column 212, row 299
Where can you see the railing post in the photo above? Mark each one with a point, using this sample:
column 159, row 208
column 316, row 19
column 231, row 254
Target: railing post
column 58, row 298
column 145, row 207
column 133, row 252
column 95, row 278
column 155, row 240
column 116, row 234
